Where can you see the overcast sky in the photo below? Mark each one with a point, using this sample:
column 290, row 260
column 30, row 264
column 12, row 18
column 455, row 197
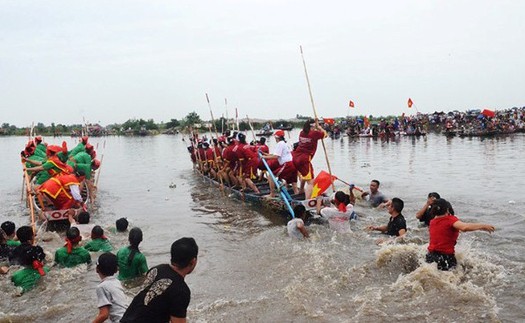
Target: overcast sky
column 109, row 61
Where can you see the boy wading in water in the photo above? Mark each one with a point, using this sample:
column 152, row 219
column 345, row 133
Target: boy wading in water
column 111, row 300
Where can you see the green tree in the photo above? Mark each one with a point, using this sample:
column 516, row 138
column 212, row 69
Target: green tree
column 172, row 123
column 191, row 119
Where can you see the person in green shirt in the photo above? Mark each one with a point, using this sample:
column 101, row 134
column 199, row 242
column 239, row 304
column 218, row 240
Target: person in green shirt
column 98, row 242
column 9, row 229
column 72, row 254
column 131, row 262
column 32, row 258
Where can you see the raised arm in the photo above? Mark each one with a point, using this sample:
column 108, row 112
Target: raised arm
column 421, row 212
column 462, row 226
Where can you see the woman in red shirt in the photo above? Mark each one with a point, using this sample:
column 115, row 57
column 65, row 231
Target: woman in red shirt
column 444, row 231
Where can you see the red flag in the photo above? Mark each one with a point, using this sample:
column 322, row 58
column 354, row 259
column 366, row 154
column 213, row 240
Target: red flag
column 488, row 113
column 351, row 104
column 321, row 183
column 329, row 121
column 410, row 103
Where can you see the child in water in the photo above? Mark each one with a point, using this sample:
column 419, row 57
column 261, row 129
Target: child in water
column 9, row 229
column 72, row 254
column 31, row 257
column 131, row 262
column 111, row 300
column 98, row 242
column 444, row 232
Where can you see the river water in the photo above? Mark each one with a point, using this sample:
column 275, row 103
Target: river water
column 249, row 270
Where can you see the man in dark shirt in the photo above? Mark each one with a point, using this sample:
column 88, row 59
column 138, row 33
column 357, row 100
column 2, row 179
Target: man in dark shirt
column 396, row 225
column 166, row 296
column 26, row 237
column 424, row 215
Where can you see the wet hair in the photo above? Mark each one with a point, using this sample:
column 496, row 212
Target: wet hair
column 183, row 251
column 307, row 125
column 121, row 224
column 30, row 253
column 450, row 209
column 3, row 237
column 242, row 138
column 83, row 217
column 8, row 227
column 262, row 141
column 434, row 194
column 299, row 211
column 97, row 232
column 439, row 207
column 107, row 264
column 135, row 238
column 376, row 181
column 398, row 204
column 25, row 234
column 72, row 233
column 342, row 197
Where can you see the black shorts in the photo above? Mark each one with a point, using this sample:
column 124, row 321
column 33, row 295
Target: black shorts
column 444, row 262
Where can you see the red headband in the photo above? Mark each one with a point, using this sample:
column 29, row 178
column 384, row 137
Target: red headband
column 340, row 205
column 69, row 243
column 39, row 266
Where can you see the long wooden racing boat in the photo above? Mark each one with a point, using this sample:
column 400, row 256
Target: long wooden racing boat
column 263, row 199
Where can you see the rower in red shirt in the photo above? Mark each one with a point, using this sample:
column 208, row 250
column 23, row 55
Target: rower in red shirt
column 304, row 153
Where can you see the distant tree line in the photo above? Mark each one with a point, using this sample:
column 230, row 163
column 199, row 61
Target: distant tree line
column 192, row 120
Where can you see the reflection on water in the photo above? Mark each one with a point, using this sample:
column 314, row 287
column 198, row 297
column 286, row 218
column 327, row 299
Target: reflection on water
column 250, row 271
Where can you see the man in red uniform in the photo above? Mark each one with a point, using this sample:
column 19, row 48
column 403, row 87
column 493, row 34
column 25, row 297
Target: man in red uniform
column 229, row 158
column 64, row 190
column 303, row 155
column 249, row 162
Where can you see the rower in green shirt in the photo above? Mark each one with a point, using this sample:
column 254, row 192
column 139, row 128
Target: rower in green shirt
column 131, row 262
column 98, row 242
column 72, row 254
column 31, row 258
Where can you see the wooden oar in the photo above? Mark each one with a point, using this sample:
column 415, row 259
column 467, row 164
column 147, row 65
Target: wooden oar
column 315, row 114
column 251, row 128
column 101, row 159
column 217, row 158
column 29, row 197
column 212, row 118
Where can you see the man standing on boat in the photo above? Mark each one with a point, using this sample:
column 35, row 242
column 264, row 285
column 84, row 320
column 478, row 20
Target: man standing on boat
column 302, row 156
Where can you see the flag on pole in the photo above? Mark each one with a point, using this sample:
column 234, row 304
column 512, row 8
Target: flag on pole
column 321, row 183
column 329, row 121
column 351, row 104
column 410, row 103
column 236, row 114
